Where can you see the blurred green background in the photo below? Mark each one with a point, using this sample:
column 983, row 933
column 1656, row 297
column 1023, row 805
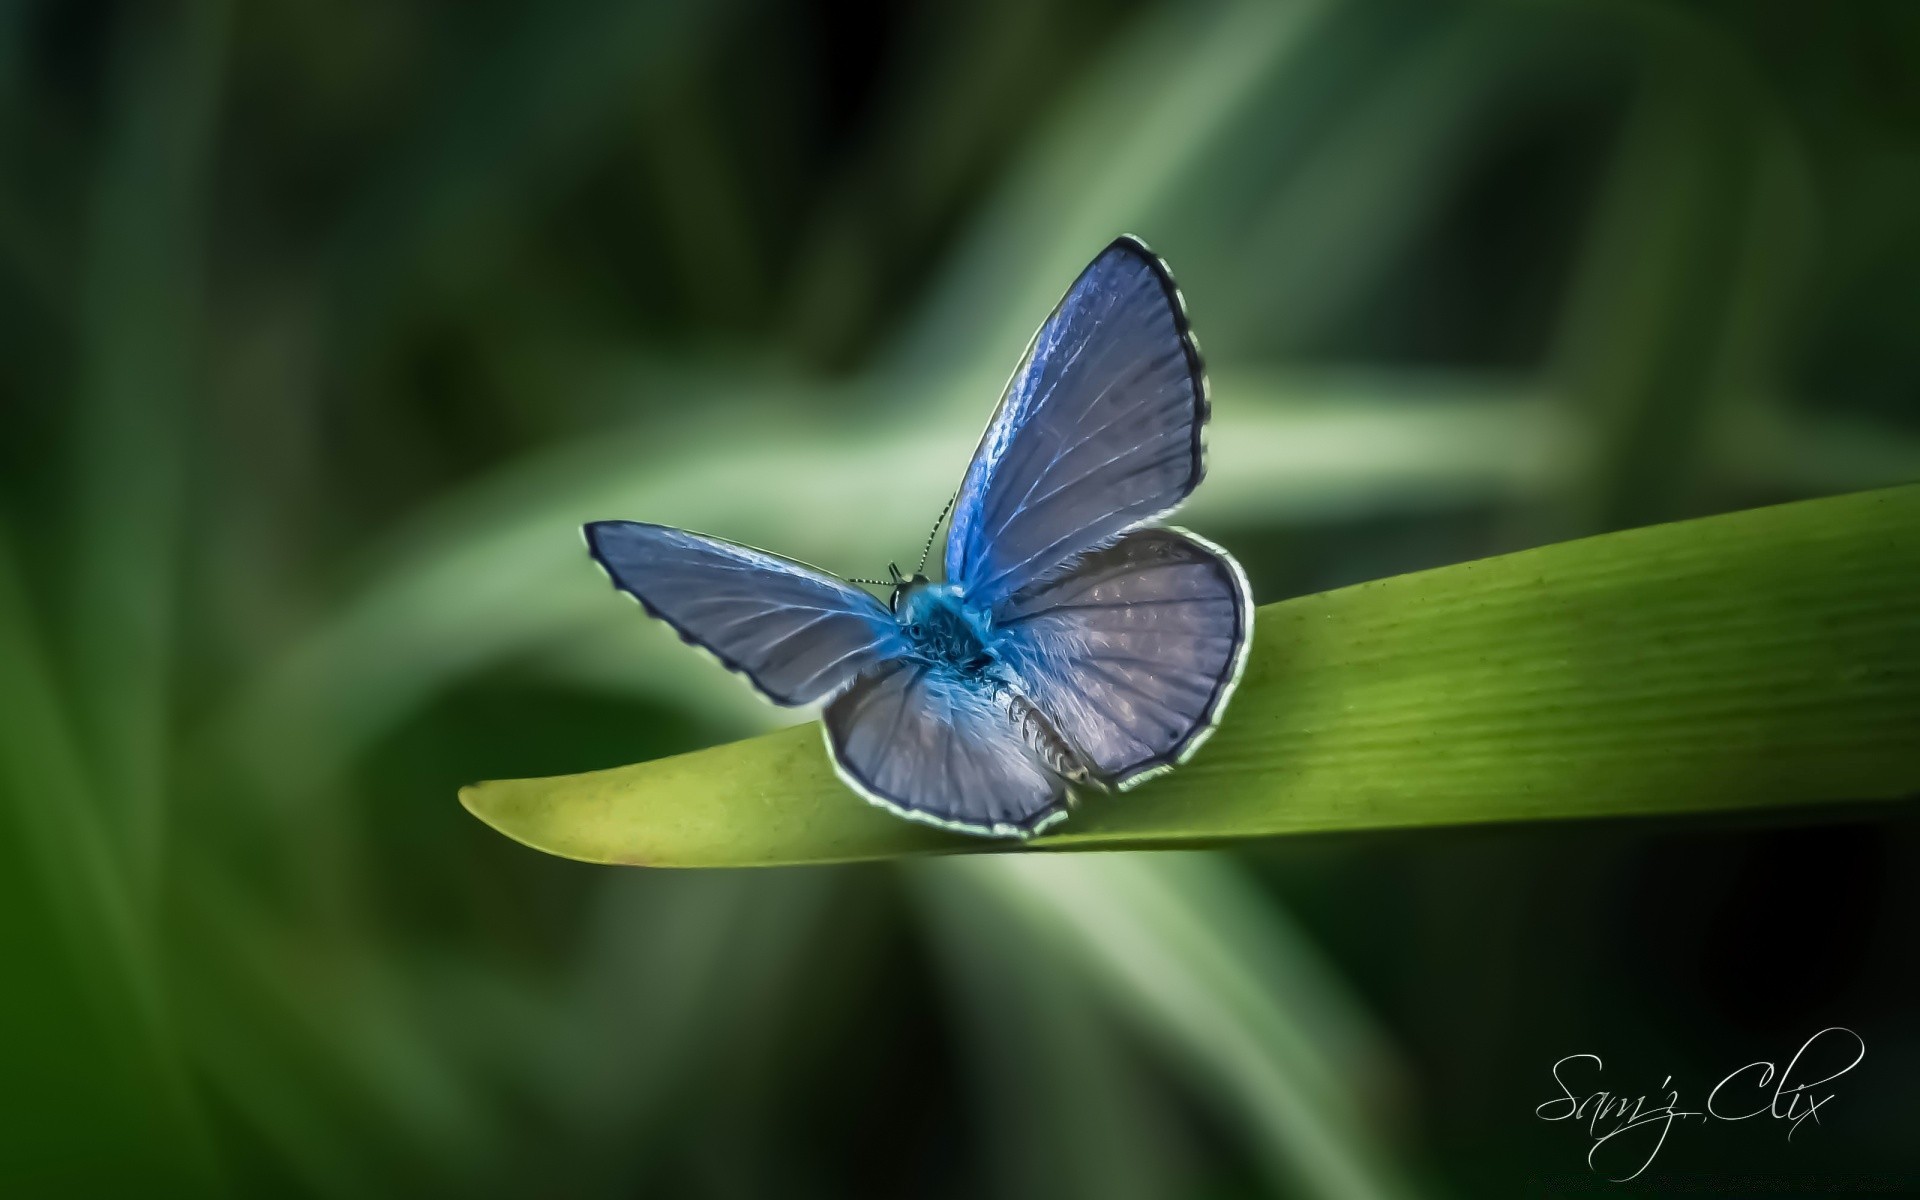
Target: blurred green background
column 326, row 322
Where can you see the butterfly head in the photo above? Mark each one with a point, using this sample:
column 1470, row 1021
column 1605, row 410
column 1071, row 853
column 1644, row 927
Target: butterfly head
column 902, row 585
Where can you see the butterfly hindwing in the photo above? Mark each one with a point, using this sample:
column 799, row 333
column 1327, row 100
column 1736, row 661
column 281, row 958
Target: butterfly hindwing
column 940, row 749
column 796, row 634
column 1134, row 651
column 1099, row 430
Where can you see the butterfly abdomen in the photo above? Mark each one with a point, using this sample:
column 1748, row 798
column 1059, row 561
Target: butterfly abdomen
column 1043, row 738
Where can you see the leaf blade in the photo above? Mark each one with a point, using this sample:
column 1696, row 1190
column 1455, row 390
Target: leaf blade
column 1762, row 658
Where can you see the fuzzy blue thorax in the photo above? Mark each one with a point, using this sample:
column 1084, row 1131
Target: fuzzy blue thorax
column 941, row 627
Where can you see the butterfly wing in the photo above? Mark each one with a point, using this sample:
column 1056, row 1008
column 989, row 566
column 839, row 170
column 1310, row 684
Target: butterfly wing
column 796, row 634
column 1134, row 651
column 931, row 746
column 1099, row 430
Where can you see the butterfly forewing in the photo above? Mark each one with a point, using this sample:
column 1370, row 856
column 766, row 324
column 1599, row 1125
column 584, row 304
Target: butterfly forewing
column 798, row 635
column 1099, row 430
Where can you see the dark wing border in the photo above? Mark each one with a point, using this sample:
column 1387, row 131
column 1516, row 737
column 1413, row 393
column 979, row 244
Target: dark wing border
column 1196, row 366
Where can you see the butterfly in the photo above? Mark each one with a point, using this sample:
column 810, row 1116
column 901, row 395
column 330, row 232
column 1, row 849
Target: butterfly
column 1071, row 643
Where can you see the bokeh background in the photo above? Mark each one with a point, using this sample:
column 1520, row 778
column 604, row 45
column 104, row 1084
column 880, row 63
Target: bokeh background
column 323, row 323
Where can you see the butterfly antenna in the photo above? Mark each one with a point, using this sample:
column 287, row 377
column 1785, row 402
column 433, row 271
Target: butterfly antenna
column 927, row 550
column 871, row 582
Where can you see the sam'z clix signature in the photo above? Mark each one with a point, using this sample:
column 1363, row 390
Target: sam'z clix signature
column 1759, row 1089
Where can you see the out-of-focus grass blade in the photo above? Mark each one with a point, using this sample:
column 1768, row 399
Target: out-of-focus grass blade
column 1326, row 448
column 708, row 986
column 1775, row 446
column 1348, row 203
column 1673, row 321
column 1112, row 151
column 1769, row 657
column 86, row 1004
column 1208, row 969
column 317, row 1036
column 511, row 124
column 1066, row 1109
column 501, row 570
column 141, row 326
column 683, row 971
column 1637, row 344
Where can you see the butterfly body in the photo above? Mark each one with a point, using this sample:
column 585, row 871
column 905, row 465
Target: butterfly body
column 944, row 630
column 965, row 660
column 1071, row 643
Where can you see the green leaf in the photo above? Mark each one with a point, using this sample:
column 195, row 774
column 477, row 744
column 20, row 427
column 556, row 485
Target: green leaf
column 1762, row 658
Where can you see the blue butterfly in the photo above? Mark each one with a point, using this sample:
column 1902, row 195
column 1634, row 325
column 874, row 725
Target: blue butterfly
column 1070, row 644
